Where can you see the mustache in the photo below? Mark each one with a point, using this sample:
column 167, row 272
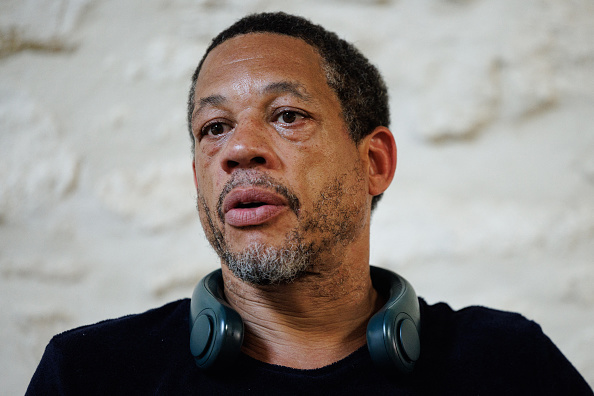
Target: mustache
column 254, row 178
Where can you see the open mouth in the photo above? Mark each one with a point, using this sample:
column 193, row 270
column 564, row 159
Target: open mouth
column 244, row 207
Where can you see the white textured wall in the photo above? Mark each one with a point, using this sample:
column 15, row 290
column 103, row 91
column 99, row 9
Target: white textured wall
column 493, row 201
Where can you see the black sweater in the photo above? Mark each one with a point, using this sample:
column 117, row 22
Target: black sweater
column 474, row 351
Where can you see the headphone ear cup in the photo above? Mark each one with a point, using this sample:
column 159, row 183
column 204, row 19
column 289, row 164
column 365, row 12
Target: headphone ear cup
column 393, row 333
column 216, row 329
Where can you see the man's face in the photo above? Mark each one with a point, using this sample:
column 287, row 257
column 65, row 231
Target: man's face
column 281, row 185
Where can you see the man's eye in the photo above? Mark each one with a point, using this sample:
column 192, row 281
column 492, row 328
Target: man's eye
column 288, row 117
column 215, row 128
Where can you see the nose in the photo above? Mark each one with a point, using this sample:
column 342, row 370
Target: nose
column 250, row 146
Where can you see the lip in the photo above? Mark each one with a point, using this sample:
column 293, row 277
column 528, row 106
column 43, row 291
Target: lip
column 245, row 207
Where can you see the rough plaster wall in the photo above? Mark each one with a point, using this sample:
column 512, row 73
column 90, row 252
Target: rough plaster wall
column 493, row 201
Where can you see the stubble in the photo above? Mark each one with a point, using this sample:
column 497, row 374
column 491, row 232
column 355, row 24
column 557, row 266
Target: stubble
column 336, row 219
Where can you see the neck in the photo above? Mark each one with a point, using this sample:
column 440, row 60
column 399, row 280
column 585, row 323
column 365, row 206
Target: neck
column 310, row 323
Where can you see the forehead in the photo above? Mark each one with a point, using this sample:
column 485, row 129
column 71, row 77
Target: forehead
column 245, row 60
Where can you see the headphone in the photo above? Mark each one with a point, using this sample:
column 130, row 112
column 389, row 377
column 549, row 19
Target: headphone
column 393, row 333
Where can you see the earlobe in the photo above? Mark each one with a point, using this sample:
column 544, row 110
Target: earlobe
column 382, row 155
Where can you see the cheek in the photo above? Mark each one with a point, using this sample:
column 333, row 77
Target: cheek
column 204, row 166
column 208, row 149
column 206, row 153
column 331, row 159
column 204, row 157
column 204, row 187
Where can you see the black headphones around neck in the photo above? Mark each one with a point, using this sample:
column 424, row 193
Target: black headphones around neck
column 393, row 333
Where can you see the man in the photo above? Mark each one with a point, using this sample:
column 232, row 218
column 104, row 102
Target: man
column 292, row 150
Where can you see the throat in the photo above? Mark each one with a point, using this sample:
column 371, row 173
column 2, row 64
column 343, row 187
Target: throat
column 294, row 327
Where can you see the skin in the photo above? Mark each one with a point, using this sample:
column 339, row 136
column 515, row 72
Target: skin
column 263, row 106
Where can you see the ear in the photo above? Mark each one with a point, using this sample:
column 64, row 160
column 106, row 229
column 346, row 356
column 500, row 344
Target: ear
column 380, row 149
column 194, row 172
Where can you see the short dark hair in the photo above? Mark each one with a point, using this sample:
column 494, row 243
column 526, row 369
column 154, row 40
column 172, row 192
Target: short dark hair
column 359, row 86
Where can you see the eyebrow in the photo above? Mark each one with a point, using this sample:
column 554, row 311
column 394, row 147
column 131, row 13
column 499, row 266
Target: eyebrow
column 293, row 88
column 212, row 100
column 280, row 87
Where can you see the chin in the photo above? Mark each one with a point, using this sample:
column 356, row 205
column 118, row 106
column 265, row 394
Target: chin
column 262, row 264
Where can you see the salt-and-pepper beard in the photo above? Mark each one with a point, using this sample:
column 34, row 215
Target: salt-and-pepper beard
column 262, row 264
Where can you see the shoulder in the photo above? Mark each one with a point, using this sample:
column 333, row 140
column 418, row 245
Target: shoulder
column 479, row 347
column 476, row 324
column 116, row 353
column 130, row 330
column 477, row 332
